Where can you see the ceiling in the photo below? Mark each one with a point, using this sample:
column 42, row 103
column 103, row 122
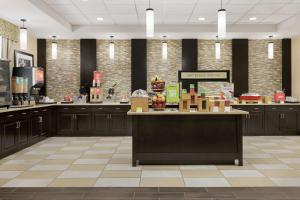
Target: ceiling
column 80, row 12
column 174, row 18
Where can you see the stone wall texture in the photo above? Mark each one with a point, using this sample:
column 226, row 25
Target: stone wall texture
column 166, row 69
column 117, row 70
column 265, row 75
column 207, row 61
column 63, row 74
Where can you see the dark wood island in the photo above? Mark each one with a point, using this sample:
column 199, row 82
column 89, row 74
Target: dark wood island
column 172, row 137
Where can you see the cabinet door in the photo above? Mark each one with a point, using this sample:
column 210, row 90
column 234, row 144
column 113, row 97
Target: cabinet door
column 35, row 127
column 10, row 136
column 273, row 122
column 82, row 123
column 44, row 125
column 288, row 121
column 256, row 123
column 23, row 131
column 64, row 123
column 118, row 124
column 101, row 123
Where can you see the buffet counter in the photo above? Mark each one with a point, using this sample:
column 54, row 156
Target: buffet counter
column 172, row 137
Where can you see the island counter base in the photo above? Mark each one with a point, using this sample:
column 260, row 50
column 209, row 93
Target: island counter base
column 187, row 139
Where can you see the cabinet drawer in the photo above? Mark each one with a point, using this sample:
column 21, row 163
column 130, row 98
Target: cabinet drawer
column 256, row 108
column 65, row 108
column 245, row 108
column 15, row 115
column 282, row 108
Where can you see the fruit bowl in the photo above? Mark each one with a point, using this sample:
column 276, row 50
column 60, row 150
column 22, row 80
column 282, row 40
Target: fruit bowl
column 157, row 86
column 159, row 102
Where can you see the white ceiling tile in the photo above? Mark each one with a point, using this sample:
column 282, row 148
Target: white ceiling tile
column 61, row 2
column 275, row 19
column 245, row 19
column 265, row 8
column 290, row 9
column 66, row 9
column 121, row 9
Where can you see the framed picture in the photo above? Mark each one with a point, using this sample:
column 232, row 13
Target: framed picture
column 23, row 59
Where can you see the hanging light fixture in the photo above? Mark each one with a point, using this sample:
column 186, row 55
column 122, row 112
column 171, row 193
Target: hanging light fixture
column 149, row 21
column 164, row 46
column 23, row 36
column 222, row 22
column 54, row 48
column 218, row 49
column 271, row 48
column 111, row 48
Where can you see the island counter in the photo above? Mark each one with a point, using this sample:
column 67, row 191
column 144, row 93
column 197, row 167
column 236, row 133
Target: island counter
column 172, row 137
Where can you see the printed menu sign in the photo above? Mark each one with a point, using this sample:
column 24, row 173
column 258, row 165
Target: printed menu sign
column 209, row 75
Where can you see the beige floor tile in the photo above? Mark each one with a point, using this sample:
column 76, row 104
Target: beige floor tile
column 56, row 162
column 263, row 160
column 294, row 166
column 235, row 167
column 201, row 173
column 39, row 174
column 3, row 181
column 120, row 161
column 162, row 182
column 120, row 174
column 15, row 167
column 86, row 167
column 27, row 183
column 281, row 173
column 160, row 167
column 97, row 156
column 250, row 182
column 73, row 182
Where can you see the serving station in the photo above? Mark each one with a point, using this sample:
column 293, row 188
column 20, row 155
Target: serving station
column 172, row 137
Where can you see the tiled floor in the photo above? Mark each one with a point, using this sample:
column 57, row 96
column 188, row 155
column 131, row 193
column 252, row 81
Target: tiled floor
column 106, row 162
column 154, row 193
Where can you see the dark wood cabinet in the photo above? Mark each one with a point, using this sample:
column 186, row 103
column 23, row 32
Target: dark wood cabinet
column 65, row 123
column 282, row 120
column 82, row 123
column 118, row 124
column 96, row 121
column 101, row 123
column 23, row 131
column 254, row 122
column 10, row 135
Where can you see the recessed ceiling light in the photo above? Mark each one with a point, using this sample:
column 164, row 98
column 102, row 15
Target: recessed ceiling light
column 100, row 18
column 201, row 18
column 252, row 18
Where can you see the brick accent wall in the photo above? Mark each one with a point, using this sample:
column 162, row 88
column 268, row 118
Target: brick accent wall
column 265, row 75
column 117, row 70
column 166, row 69
column 63, row 74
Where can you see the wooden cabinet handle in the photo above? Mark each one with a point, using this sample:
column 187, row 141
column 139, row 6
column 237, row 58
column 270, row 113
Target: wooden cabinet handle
column 10, row 115
column 117, row 108
column 83, row 108
column 100, row 108
column 66, row 108
column 24, row 113
column 36, row 111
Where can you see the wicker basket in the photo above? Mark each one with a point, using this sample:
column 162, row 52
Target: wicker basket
column 139, row 102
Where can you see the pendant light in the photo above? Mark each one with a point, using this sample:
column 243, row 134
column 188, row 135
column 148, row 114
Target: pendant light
column 111, row 48
column 164, row 46
column 149, row 21
column 222, row 22
column 54, row 48
column 218, row 49
column 271, row 48
column 23, row 36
